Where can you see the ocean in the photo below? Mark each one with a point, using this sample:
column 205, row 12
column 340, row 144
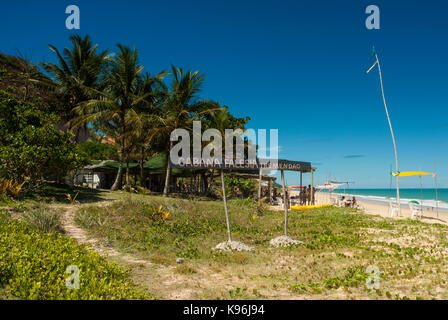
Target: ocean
column 383, row 196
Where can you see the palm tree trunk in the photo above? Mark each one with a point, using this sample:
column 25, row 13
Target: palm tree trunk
column 127, row 170
column 117, row 183
column 142, row 160
column 168, row 172
column 205, row 182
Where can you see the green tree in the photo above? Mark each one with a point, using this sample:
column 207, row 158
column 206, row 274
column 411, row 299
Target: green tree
column 78, row 76
column 31, row 147
column 181, row 107
column 121, row 99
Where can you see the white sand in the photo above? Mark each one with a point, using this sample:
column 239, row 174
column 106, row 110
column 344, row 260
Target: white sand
column 383, row 210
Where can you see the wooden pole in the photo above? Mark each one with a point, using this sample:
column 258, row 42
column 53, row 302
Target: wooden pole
column 285, row 204
column 312, row 186
column 435, row 181
column 225, row 205
column 270, row 191
column 421, row 194
column 259, row 186
column 300, row 180
column 392, row 133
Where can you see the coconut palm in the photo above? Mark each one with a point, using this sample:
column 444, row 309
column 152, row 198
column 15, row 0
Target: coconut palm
column 122, row 98
column 181, row 107
column 142, row 119
column 79, row 70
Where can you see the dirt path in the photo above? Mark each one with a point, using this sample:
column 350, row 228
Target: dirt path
column 164, row 280
column 81, row 236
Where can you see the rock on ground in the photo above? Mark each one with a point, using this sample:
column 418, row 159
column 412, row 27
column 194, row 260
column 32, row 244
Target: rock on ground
column 232, row 246
column 284, row 241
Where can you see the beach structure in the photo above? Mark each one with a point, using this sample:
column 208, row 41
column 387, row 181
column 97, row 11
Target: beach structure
column 415, row 210
column 258, row 166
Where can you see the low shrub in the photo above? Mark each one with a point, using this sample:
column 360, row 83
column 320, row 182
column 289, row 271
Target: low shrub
column 44, row 219
column 11, row 187
column 33, row 265
column 90, row 218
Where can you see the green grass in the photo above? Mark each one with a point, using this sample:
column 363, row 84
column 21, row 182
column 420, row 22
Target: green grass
column 339, row 244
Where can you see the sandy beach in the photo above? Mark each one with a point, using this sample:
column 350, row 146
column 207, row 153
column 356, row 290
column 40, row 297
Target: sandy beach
column 383, row 210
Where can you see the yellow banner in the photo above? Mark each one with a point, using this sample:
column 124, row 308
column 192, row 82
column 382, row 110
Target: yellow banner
column 411, row 173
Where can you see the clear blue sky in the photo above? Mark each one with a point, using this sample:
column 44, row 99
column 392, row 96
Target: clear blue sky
column 298, row 66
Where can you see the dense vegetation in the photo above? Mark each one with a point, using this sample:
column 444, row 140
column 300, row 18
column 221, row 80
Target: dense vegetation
column 89, row 91
column 33, row 265
column 31, row 147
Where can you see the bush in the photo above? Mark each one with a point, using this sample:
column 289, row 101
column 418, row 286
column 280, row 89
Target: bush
column 33, row 265
column 31, row 146
column 10, row 187
column 44, row 219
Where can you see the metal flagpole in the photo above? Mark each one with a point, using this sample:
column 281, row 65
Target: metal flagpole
column 391, row 131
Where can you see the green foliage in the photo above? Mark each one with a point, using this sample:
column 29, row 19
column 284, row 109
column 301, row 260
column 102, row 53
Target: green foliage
column 353, row 277
column 95, row 150
column 31, row 147
column 90, row 218
column 71, row 198
column 33, row 265
column 239, row 187
column 10, row 187
column 44, row 219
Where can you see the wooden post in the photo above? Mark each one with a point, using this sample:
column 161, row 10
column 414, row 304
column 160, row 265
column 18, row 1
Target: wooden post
column 225, row 205
column 300, row 180
column 259, row 186
column 312, row 186
column 435, row 182
column 285, row 204
column 270, row 191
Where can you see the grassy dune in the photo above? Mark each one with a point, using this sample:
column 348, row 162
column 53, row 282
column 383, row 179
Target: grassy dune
column 339, row 244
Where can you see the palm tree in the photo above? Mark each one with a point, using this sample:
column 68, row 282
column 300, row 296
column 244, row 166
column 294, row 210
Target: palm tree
column 79, row 72
column 122, row 98
column 142, row 119
column 181, row 107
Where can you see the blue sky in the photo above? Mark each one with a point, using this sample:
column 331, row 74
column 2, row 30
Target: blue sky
column 296, row 66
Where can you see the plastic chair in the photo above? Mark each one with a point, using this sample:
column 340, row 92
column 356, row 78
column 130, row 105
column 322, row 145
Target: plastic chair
column 416, row 210
column 280, row 201
column 393, row 208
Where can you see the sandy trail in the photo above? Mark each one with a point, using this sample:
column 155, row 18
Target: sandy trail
column 144, row 272
column 81, row 236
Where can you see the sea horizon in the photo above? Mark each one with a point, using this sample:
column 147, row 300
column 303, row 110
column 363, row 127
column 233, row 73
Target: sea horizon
column 427, row 196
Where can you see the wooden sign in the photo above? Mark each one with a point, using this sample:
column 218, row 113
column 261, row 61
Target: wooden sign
column 242, row 164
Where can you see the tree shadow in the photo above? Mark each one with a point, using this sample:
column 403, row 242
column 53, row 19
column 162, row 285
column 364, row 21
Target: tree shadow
column 56, row 192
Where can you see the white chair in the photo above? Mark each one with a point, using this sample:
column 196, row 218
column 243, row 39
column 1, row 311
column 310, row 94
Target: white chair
column 416, row 209
column 393, row 209
column 280, row 201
